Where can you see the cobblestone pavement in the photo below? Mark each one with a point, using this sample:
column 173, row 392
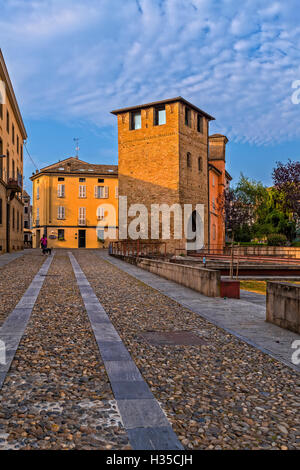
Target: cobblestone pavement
column 15, row 278
column 222, row 395
column 57, row 394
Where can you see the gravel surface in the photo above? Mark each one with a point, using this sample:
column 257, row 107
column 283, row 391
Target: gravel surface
column 57, row 394
column 15, row 278
column 222, row 395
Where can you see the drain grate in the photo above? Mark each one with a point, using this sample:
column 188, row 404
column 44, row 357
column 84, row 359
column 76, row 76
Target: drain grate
column 173, row 338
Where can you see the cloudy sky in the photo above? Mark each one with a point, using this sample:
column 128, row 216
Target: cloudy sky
column 73, row 61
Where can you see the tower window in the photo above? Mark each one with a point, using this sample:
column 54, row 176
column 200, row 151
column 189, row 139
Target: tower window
column 200, row 164
column 187, row 116
column 136, row 120
column 188, row 160
column 200, row 123
column 159, row 116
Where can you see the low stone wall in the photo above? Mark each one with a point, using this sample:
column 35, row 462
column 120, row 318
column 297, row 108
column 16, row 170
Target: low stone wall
column 283, row 305
column 205, row 281
column 276, row 251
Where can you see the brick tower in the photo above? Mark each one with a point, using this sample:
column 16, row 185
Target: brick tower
column 163, row 156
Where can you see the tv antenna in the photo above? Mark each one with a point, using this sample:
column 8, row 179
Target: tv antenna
column 76, row 140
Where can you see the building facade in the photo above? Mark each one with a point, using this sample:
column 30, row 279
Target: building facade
column 166, row 157
column 27, row 220
column 219, row 180
column 163, row 158
column 75, row 204
column 12, row 136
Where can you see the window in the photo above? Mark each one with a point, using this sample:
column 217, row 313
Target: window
column 61, row 234
column 200, row 123
column 7, row 122
column 61, row 212
column 13, row 218
column 101, row 192
column 21, row 151
column 13, row 133
column 38, row 192
column 214, row 232
column 61, row 178
column 37, row 216
column 213, row 203
column 188, row 160
column 100, row 213
column 136, row 120
column 100, row 180
column 187, row 117
column 117, row 192
column 82, row 215
column 213, row 180
column 100, row 234
column 18, row 221
column 160, row 116
column 82, row 190
column 61, row 190
column 17, row 144
column 26, row 210
column 200, row 164
column 26, row 225
column 1, row 211
column 81, row 180
column 13, row 169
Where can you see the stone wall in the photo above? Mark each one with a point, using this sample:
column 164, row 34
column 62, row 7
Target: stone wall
column 283, row 305
column 205, row 281
column 281, row 251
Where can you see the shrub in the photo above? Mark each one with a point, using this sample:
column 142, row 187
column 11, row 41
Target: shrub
column 276, row 239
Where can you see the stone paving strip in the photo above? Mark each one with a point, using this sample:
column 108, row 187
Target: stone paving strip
column 145, row 422
column 243, row 318
column 9, row 257
column 14, row 326
column 15, row 278
column 223, row 394
column 57, row 394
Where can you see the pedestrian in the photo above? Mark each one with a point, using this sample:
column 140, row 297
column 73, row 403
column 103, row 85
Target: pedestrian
column 44, row 244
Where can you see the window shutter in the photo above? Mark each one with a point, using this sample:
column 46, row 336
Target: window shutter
column 96, row 191
column 106, row 189
column 117, row 192
column 62, row 212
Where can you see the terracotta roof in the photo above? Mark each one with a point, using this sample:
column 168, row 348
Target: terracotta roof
column 228, row 176
column 73, row 166
column 212, row 167
column 156, row 103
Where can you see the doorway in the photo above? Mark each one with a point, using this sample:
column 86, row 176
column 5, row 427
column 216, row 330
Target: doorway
column 81, row 238
column 38, row 238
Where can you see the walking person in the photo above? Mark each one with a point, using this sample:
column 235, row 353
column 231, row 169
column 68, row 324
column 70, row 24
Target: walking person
column 44, row 244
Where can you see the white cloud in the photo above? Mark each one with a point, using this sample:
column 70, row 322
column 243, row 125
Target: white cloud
column 77, row 60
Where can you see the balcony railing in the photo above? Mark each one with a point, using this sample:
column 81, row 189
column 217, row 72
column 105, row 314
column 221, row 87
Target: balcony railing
column 15, row 184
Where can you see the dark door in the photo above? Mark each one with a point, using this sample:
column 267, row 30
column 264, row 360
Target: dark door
column 81, row 238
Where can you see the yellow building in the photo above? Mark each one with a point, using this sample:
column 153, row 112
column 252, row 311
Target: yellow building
column 75, row 204
column 12, row 136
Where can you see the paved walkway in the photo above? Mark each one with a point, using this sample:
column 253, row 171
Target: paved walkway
column 13, row 328
column 244, row 318
column 80, row 373
column 146, row 424
column 8, row 257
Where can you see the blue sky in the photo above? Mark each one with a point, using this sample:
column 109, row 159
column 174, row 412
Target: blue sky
column 73, row 61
